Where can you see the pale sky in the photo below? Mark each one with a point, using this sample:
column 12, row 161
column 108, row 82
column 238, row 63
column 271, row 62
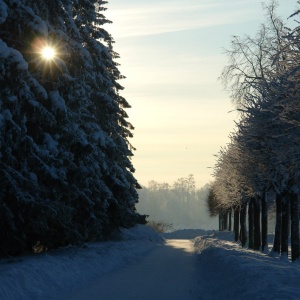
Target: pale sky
column 171, row 53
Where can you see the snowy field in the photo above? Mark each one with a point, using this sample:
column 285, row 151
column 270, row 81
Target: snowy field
column 226, row 271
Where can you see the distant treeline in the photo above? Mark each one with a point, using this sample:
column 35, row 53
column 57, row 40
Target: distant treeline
column 180, row 204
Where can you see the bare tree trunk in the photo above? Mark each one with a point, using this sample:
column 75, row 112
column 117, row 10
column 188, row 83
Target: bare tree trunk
column 256, row 217
column 264, row 223
column 243, row 224
column 250, row 224
column 230, row 220
column 294, row 226
column 236, row 224
column 285, row 205
column 277, row 239
column 225, row 220
column 220, row 221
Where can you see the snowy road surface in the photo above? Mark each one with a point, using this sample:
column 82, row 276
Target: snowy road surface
column 139, row 264
column 168, row 272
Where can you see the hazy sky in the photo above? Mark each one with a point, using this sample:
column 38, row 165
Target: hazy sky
column 171, row 53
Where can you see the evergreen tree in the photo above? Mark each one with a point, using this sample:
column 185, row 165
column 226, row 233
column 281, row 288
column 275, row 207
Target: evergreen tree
column 65, row 154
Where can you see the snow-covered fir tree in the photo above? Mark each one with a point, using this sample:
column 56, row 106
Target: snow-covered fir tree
column 66, row 173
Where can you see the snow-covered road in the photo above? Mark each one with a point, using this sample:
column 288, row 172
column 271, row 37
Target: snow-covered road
column 140, row 264
column 170, row 271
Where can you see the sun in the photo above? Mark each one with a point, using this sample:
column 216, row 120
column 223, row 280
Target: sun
column 48, row 53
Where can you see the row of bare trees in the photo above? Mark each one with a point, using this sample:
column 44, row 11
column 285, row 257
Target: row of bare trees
column 260, row 166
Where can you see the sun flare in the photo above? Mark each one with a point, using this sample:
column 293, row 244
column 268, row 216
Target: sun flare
column 48, row 53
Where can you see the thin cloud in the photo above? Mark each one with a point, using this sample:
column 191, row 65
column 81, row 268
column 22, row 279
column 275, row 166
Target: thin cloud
column 167, row 17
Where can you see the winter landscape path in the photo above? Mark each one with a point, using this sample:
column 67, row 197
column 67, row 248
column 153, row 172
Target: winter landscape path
column 170, row 271
column 139, row 264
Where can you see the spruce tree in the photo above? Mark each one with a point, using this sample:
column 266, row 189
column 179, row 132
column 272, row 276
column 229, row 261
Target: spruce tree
column 65, row 154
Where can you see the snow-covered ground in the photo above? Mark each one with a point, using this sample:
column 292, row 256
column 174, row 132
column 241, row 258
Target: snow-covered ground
column 223, row 269
column 51, row 275
column 236, row 273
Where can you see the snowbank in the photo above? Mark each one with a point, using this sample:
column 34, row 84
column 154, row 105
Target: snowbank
column 52, row 274
column 232, row 272
column 186, row 233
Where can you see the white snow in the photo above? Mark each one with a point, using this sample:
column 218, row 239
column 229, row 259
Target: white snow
column 17, row 58
column 50, row 143
column 33, row 176
column 52, row 274
column 14, row 56
column 39, row 89
column 57, row 101
column 236, row 273
column 37, row 24
column 3, row 11
column 4, row 50
column 139, row 264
